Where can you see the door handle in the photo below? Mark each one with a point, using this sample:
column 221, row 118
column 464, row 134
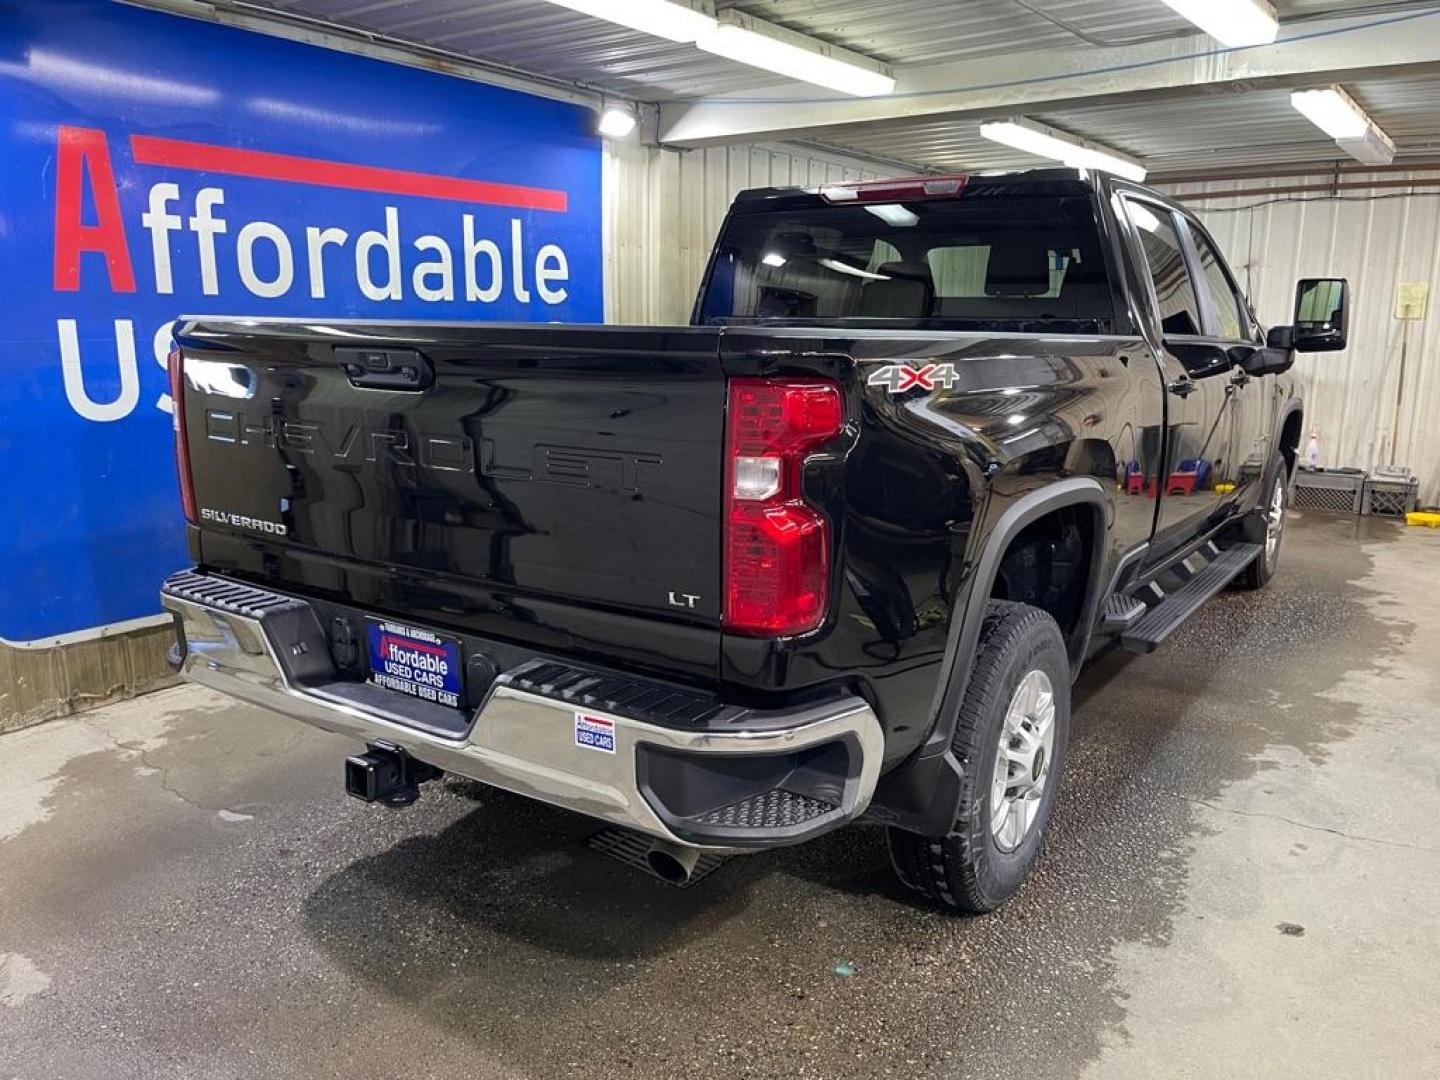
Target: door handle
column 386, row 369
column 1240, row 378
column 1182, row 387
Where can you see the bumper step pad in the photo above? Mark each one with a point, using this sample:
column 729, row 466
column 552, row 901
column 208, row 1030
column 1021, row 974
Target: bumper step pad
column 767, row 810
column 618, row 694
column 228, row 595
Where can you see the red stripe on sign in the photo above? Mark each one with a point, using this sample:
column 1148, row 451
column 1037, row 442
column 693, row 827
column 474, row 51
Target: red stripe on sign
column 419, row 646
column 263, row 165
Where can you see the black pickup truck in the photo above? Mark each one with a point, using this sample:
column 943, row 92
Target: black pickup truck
column 833, row 552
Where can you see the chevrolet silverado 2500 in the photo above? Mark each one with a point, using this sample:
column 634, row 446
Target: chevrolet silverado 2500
column 834, row 552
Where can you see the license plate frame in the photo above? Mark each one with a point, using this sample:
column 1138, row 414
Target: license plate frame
column 419, row 663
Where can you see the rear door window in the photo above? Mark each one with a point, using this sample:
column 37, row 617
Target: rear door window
column 1175, row 292
column 1230, row 320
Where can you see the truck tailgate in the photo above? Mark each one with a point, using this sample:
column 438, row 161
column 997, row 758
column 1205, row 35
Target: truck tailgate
column 576, row 467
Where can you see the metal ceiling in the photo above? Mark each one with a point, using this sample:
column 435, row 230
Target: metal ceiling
column 549, row 40
column 1204, row 131
column 1224, row 129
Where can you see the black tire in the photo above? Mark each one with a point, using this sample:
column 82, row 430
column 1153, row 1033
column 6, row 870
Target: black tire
column 968, row 870
column 1258, row 574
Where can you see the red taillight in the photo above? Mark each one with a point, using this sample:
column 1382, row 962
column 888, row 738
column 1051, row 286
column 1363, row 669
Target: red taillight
column 906, row 189
column 777, row 546
column 176, row 366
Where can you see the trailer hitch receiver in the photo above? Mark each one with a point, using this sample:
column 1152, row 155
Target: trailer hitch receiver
column 386, row 774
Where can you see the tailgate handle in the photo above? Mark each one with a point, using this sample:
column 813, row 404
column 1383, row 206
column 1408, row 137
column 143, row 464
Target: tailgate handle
column 387, row 369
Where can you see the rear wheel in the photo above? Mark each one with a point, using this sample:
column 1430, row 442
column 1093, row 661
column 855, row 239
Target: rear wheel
column 1272, row 508
column 1010, row 739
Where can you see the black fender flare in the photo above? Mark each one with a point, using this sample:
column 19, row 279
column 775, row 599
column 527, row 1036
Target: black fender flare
column 1251, row 524
column 921, row 795
column 1292, row 406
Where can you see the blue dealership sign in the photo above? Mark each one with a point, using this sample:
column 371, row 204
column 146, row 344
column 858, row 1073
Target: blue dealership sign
column 153, row 166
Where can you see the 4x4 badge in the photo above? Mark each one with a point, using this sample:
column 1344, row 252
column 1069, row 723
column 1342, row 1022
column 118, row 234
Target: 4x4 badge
column 898, row 378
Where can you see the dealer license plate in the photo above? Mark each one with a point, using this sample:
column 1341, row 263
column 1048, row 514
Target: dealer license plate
column 415, row 662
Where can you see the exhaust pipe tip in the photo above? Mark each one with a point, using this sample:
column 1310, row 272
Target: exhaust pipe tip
column 672, row 863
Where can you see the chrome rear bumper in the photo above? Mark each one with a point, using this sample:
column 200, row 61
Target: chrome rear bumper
column 269, row 649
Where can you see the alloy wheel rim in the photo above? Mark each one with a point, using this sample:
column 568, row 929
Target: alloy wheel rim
column 1274, row 523
column 1023, row 761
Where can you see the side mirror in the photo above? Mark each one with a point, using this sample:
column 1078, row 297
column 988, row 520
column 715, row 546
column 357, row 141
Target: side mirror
column 1280, row 337
column 1321, row 314
column 1271, row 360
column 1200, row 358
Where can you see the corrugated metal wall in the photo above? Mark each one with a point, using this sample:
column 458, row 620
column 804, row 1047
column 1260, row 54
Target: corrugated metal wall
column 1378, row 238
column 663, row 209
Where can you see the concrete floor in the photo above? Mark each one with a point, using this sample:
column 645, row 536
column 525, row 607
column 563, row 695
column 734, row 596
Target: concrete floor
column 1243, row 881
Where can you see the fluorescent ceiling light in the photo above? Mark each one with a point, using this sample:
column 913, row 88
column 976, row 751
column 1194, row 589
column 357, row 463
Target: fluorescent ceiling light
column 758, row 43
column 895, row 214
column 1332, row 111
column 1372, row 148
column 1022, row 134
column 854, row 271
column 616, row 123
column 1235, row 23
column 677, row 20
column 773, row 258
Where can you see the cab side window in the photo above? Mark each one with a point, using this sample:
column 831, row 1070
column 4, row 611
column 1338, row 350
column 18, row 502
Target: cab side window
column 1231, row 321
column 1165, row 259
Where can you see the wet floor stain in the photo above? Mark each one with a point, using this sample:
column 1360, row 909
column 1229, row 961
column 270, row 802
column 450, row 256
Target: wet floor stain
column 20, row 980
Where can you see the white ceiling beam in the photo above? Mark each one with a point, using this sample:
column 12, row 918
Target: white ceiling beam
column 1308, row 53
